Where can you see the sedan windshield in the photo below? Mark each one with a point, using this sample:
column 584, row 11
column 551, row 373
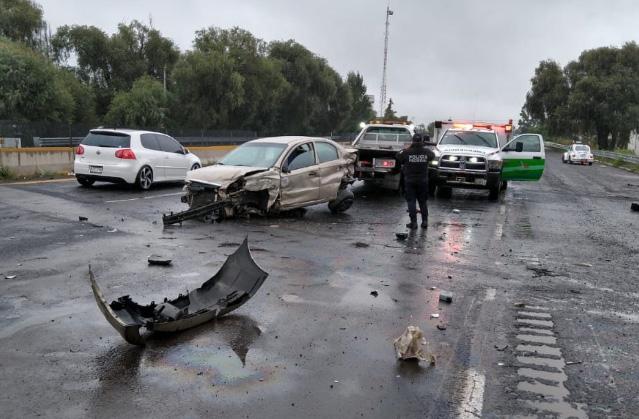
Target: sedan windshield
column 476, row 138
column 254, row 155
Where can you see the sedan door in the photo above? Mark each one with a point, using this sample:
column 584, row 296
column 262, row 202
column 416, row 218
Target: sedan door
column 331, row 169
column 176, row 163
column 153, row 155
column 524, row 158
column 300, row 182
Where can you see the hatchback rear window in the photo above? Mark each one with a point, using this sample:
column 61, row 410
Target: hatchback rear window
column 107, row 139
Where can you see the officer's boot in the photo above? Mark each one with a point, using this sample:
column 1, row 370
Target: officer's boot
column 425, row 222
column 413, row 223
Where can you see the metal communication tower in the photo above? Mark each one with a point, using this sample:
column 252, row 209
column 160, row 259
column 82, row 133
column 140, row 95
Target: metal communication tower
column 382, row 96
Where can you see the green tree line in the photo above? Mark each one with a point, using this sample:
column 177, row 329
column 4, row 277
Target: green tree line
column 595, row 96
column 136, row 77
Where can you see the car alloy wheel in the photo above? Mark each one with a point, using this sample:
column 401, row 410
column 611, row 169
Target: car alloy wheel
column 145, row 178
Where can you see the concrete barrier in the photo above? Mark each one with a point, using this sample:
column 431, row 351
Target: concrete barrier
column 30, row 161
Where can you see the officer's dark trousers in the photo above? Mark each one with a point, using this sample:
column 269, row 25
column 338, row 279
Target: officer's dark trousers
column 416, row 191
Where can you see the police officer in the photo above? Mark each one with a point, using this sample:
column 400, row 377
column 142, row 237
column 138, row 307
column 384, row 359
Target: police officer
column 414, row 165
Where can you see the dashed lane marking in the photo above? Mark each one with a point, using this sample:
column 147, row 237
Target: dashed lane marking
column 143, row 197
column 544, row 373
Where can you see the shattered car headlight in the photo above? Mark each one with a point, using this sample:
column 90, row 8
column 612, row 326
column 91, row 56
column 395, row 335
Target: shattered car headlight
column 495, row 164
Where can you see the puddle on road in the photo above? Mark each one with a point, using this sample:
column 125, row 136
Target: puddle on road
column 215, row 354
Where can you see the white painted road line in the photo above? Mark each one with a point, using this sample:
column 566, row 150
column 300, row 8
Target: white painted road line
column 143, row 197
column 473, row 395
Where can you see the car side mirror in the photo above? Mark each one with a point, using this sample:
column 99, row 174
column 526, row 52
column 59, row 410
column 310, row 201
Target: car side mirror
column 519, row 147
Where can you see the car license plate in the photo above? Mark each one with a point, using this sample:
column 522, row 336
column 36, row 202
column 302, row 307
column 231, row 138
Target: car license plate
column 95, row 170
column 480, row 181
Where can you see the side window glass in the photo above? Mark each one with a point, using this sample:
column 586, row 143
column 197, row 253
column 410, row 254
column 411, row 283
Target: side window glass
column 149, row 141
column 326, row 152
column 168, row 144
column 531, row 143
column 302, row 156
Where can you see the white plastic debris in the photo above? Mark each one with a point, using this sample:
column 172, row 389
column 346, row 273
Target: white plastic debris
column 434, row 316
column 10, row 277
column 456, row 211
column 409, row 344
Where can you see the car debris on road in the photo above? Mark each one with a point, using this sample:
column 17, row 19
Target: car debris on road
column 159, row 260
column 234, row 284
column 446, row 296
column 634, row 206
column 409, row 344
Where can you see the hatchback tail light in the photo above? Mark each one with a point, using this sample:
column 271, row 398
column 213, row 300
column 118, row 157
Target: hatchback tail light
column 80, row 150
column 125, row 153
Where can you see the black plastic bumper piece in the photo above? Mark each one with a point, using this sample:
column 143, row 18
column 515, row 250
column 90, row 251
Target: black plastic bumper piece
column 191, row 213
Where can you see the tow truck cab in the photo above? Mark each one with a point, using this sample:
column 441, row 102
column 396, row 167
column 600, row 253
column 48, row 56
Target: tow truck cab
column 483, row 156
column 377, row 144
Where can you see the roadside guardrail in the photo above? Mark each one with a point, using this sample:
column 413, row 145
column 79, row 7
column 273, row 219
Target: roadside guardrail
column 599, row 153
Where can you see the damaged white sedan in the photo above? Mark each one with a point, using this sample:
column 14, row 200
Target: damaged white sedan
column 270, row 175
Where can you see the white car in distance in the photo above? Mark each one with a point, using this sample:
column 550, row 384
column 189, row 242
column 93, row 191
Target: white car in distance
column 131, row 156
column 578, row 153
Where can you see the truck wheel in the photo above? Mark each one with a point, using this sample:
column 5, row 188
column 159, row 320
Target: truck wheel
column 563, row 160
column 504, row 185
column 589, row 163
column 493, row 192
column 444, row 192
column 343, row 201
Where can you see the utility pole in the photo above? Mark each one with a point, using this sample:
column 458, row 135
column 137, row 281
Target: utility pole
column 382, row 96
column 164, row 78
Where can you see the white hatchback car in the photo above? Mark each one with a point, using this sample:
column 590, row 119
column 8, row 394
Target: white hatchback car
column 131, row 156
column 578, row 153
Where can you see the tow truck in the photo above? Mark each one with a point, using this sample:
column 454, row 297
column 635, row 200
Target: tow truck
column 377, row 144
column 483, row 155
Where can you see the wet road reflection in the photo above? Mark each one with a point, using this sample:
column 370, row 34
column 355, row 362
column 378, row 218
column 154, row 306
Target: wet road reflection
column 217, row 352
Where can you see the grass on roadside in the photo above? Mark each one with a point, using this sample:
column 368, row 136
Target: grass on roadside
column 619, row 164
column 8, row 175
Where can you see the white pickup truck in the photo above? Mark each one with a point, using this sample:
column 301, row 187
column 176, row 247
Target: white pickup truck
column 377, row 144
column 483, row 156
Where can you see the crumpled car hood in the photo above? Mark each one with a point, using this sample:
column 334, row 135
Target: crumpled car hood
column 221, row 175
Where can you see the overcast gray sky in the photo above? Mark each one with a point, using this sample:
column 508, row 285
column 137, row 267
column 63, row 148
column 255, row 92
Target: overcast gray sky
column 470, row 59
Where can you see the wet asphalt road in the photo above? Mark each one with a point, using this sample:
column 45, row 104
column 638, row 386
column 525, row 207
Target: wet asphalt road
column 543, row 321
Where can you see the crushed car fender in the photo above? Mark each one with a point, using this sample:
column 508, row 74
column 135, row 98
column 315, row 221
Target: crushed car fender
column 233, row 285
